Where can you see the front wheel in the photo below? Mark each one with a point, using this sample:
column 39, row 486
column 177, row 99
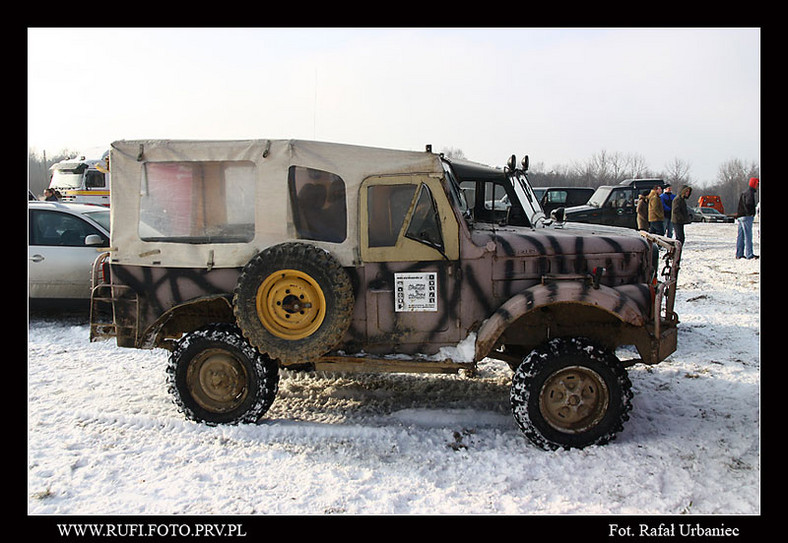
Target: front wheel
column 570, row 393
column 217, row 377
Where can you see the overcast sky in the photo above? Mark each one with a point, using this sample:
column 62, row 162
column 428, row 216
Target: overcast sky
column 558, row 95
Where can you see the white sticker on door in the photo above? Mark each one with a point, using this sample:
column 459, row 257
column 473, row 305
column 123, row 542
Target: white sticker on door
column 415, row 291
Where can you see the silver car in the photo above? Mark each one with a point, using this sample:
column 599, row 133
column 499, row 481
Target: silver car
column 64, row 240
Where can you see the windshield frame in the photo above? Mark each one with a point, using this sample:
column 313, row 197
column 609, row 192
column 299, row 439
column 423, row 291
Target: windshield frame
column 529, row 202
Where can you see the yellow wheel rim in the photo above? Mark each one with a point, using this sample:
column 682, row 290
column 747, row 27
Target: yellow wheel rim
column 290, row 304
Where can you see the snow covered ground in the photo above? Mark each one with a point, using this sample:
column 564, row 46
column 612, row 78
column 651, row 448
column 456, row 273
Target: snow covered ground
column 104, row 437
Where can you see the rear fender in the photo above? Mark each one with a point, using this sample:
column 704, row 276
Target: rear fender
column 629, row 303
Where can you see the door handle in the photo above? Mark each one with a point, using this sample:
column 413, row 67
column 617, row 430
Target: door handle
column 36, row 258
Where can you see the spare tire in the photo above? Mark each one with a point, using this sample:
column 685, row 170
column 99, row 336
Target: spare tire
column 294, row 302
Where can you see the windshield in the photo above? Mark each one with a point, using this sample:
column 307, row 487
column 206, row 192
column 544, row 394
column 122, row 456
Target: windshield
column 65, row 179
column 101, row 217
column 599, row 197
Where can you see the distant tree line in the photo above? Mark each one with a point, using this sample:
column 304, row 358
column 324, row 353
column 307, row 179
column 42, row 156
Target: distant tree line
column 602, row 168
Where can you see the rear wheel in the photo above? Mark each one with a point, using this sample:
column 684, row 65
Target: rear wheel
column 570, row 393
column 217, row 377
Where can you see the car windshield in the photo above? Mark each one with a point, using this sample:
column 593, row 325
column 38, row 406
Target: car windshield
column 101, row 216
column 66, row 179
column 710, row 211
column 599, row 197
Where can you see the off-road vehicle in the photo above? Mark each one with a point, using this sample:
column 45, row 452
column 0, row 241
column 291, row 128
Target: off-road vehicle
column 243, row 257
column 551, row 198
column 612, row 205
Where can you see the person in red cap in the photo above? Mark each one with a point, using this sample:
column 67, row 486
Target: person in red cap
column 745, row 215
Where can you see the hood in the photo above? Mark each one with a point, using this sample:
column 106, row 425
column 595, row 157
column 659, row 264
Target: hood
column 580, row 210
column 569, row 239
column 573, row 249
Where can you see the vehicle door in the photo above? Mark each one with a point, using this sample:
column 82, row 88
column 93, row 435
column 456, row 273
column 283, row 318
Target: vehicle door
column 409, row 243
column 621, row 207
column 59, row 257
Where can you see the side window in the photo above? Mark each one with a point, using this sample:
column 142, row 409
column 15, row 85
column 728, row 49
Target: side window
column 197, row 202
column 556, row 196
column 425, row 224
column 407, row 218
column 60, row 229
column 94, row 179
column 387, row 206
column 318, row 204
column 622, row 198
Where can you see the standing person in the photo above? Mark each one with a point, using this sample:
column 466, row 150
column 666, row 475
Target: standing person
column 50, row 195
column 667, row 204
column 642, row 211
column 656, row 213
column 745, row 214
column 680, row 213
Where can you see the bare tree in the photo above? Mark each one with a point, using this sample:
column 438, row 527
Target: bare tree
column 677, row 172
column 452, row 152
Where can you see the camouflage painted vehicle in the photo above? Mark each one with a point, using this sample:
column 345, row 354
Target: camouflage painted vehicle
column 242, row 257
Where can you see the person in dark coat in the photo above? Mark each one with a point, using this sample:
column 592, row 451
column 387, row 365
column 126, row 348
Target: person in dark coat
column 642, row 211
column 745, row 214
column 680, row 212
column 656, row 213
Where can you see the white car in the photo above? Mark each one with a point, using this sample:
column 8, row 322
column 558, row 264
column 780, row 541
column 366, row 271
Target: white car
column 64, row 240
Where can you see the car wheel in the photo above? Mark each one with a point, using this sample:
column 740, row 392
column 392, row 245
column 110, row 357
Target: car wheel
column 570, row 393
column 294, row 302
column 217, row 377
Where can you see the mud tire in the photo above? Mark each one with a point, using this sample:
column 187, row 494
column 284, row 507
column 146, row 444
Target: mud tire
column 570, row 393
column 217, row 377
column 298, row 333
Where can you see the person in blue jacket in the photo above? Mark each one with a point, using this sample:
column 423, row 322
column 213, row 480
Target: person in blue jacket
column 667, row 204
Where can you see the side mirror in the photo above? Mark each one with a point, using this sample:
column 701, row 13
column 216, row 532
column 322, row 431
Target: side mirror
column 558, row 215
column 93, row 240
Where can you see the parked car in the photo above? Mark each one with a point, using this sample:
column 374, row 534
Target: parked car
column 63, row 243
column 709, row 214
column 551, row 198
column 609, row 205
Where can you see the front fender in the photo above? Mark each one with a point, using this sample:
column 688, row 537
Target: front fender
column 629, row 303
